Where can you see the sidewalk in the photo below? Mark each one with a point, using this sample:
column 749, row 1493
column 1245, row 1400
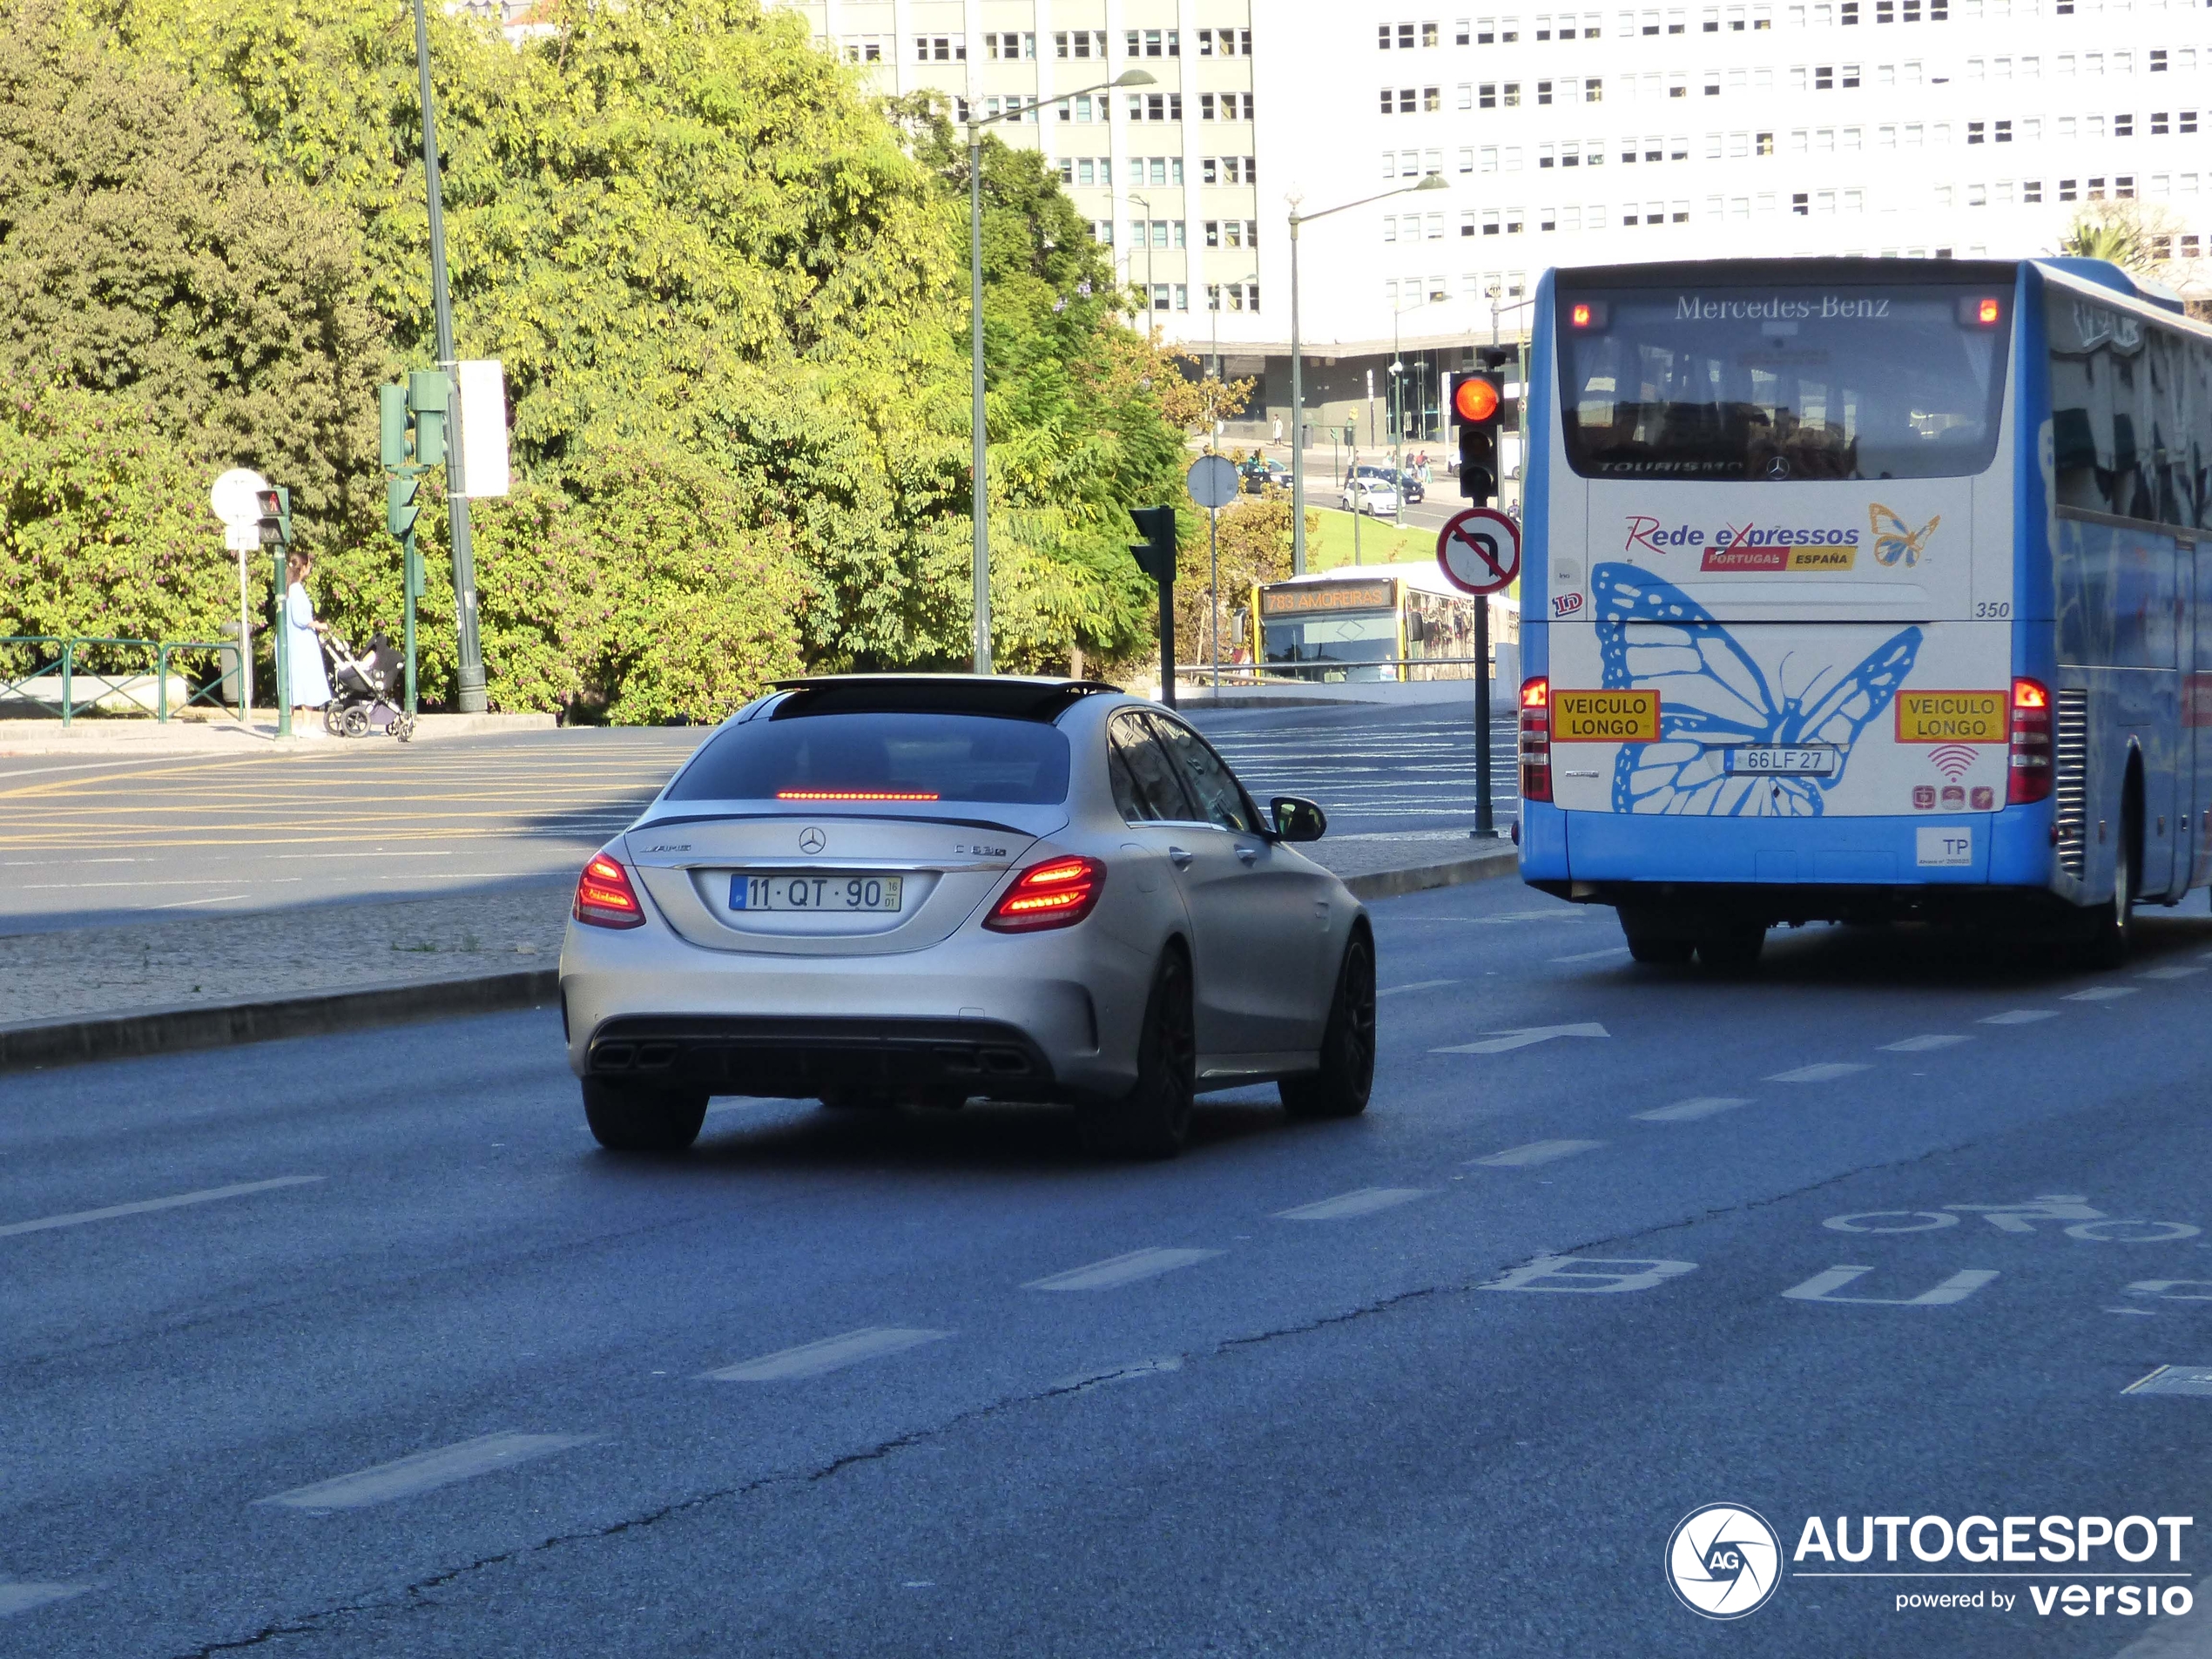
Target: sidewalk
column 97, row 993
column 106, row 738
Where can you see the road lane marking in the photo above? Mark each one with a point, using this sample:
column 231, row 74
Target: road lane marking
column 1364, row 1202
column 2018, row 1016
column 1418, row 984
column 1116, row 1270
column 1504, row 1041
column 2100, row 993
column 21, row 1598
column 2174, row 1379
column 1478, row 921
column 410, row 1477
column 2176, row 971
column 1684, row 1111
column 1923, row 1045
column 1593, row 956
column 1821, row 1071
column 78, row 1219
column 831, row 1353
column 1520, row 1157
column 1823, row 1286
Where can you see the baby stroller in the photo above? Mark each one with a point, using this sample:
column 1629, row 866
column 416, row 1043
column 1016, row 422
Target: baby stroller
column 360, row 686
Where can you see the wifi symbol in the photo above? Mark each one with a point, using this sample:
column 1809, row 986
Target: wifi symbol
column 1952, row 760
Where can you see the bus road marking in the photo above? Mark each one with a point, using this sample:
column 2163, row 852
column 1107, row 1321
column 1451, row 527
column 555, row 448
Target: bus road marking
column 408, row 1477
column 1593, row 956
column 1521, row 1158
column 831, row 1353
column 1923, row 1045
column 145, row 1206
column 1684, row 1111
column 1366, row 1201
column 1418, row 984
column 1117, row 1271
column 2099, row 994
column 2174, row 1379
column 2018, row 1016
column 1505, row 1041
column 1821, row 1071
column 2178, row 971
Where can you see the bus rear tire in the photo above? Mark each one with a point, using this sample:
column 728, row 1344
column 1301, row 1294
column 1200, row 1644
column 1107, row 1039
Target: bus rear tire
column 1651, row 944
column 2110, row 929
column 1732, row 950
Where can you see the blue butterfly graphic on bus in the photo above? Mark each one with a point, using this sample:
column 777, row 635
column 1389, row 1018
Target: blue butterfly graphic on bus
column 1715, row 697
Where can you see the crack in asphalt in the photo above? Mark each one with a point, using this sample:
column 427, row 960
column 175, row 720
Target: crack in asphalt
column 313, row 1623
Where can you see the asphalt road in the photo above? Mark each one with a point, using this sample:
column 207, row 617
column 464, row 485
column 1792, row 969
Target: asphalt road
column 93, row 843
column 1392, row 1424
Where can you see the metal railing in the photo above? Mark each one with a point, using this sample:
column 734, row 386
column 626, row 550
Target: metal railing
column 68, row 647
column 1311, row 672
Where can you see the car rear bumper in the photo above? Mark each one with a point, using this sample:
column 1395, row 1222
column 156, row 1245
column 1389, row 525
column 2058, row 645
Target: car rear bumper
column 1041, row 1017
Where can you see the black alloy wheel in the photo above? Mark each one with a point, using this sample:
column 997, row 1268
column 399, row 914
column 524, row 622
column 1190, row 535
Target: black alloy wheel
column 1153, row 1120
column 636, row 1117
column 1347, row 1073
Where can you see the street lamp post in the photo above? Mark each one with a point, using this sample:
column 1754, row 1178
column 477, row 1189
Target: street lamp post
column 1398, row 403
column 1145, row 202
column 979, row 498
column 1429, row 181
column 1213, row 420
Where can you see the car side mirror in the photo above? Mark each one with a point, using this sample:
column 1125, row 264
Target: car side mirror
column 1297, row 819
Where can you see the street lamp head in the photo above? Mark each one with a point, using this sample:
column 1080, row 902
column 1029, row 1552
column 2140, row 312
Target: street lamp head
column 1433, row 181
column 1135, row 78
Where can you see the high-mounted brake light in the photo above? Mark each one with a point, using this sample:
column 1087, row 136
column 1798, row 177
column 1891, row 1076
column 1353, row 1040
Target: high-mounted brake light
column 604, row 897
column 2029, row 779
column 1587, row 314
column 1985, row 312
column 1536, row 738
column 1980, row 310
column 856, row 794
column 1057, row 894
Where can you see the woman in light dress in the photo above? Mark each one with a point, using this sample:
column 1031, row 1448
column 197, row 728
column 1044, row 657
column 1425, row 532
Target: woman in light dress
column 303, row 647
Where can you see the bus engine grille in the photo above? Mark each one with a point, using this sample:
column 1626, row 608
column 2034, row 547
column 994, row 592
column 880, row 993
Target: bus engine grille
column 2070, row 780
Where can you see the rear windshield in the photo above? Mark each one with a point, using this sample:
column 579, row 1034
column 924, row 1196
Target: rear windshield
column 1781, row 383
column 880, row 757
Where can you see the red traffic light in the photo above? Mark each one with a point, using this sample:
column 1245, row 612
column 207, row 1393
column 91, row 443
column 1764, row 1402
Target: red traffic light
column 1475, row 399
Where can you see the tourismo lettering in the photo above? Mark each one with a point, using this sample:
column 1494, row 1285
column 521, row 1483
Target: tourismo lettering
column 1695, row 307
column 1605, row 716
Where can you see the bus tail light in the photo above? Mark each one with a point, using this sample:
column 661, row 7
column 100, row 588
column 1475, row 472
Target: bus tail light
column 604, row 897
column 2029, row 779
column 1057, row 894
column 1536, row 738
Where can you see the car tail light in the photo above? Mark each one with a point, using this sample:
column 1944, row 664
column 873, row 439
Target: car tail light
column 1057, row 894
column 1536, row 738
column 2030, row 776
column 604, row 897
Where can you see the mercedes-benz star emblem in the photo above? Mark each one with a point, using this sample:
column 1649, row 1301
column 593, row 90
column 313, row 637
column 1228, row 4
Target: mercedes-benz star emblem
column 1778, row 468
column 811, row 839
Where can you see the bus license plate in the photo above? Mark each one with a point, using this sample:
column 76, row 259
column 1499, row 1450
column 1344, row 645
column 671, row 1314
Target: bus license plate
column 840, row 892
column 1812, row 761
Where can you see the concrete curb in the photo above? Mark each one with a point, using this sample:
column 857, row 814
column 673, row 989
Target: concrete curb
column 34, row 1044
column 1504, row 858
column 176, row 1030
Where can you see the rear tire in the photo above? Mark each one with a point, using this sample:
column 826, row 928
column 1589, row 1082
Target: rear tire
column 2111, row 925
column 1732, row 950
column 631, row 1117
column 1347, row 1074
column 1651, row 945
column 1153, row 1120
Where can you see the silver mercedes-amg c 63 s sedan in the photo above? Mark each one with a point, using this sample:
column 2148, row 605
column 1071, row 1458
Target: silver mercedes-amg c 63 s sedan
column 884, row 889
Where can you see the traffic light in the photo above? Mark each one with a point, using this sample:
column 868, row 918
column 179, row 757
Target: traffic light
column 391, row 427
column 402, row 492
column 429, row 391
column 276, row 515
column 1478, row 403
column 1155, row 553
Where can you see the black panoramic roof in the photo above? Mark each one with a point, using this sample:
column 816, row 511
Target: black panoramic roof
column 1001, row 696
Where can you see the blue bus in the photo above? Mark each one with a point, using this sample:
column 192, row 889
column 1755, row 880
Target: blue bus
column 1866, row 590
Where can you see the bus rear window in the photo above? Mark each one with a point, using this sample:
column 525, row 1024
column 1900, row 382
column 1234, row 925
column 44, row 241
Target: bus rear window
column 896, row 758
column 1779, row 384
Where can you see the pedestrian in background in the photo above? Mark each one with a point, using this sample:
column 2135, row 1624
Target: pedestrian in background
column 303, row 646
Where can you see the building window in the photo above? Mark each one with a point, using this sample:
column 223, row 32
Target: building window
column 1432, row 98
column 1153, row 43
column 1973, row 132
column 941, row 49
column 1801, row 204
column 2031, row 190
column 2123, row 126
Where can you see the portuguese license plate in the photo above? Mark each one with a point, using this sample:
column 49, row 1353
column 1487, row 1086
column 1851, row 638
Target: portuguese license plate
column 837, row 891
column 1813, row 760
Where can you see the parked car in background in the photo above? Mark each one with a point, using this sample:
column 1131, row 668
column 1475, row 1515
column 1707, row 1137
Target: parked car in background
column 1375, row 496
column 1410, row 486
column 1260, row 472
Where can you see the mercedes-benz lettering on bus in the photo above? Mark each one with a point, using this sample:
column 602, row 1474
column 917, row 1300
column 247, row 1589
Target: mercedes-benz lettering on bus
column 1858, row 589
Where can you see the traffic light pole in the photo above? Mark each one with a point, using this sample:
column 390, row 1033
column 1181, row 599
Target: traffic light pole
column 411, row 584
column 282, row 652
column 470, row 677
